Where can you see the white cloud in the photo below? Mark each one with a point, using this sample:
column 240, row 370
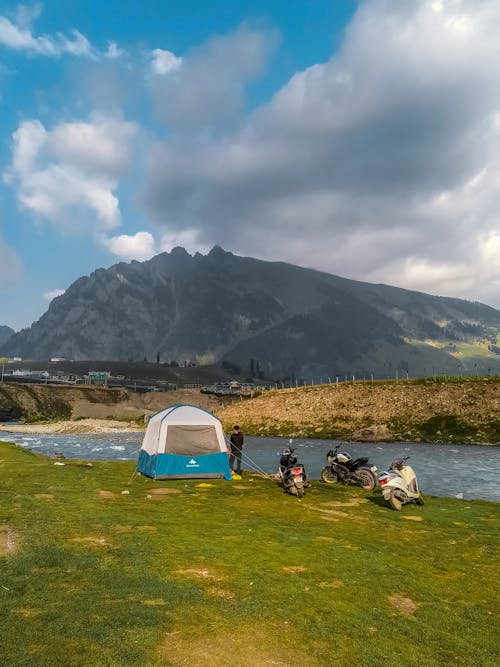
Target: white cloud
column 113, row 51
column 48, row 296
column 381, row 164
column 186, row 238
column 22, row 39
column 69, row 174
column 26, row 15
column 18, row 35
column 163, row 62
column 208, row 82
column 139, row 246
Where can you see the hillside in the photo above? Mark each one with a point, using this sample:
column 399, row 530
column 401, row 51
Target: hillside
column 45, row 402
column 5, row 333
column 421, row 410
column 271, row 319
column 426, row 410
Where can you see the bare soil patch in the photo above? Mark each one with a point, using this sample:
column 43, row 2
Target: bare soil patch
column 222, row 593
column 90, row 541
column 334, row 583
column 121, row 528
column 163, row 491
column 254, row 646
column 348, row 503
column 7, row 541
column 330, row 508
column 292, row 569
column 404, row 605
column 107, row 495
column 28, row 612
column 203, row 574
column 325, row 510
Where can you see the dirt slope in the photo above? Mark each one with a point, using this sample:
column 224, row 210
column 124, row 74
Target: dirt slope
column 433, row 411
column 55, row 402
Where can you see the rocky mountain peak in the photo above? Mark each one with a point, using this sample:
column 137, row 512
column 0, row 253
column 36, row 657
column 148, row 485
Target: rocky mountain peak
column 270, row 318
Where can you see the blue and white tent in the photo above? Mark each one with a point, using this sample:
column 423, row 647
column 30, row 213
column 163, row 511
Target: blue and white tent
column 184, row 441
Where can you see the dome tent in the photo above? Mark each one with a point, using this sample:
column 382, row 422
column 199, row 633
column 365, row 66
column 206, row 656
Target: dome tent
column 184, row 441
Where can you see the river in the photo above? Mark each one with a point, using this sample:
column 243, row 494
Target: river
column 457, row 471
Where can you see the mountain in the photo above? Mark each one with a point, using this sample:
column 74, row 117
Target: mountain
column 5, row 334
column 269, row 318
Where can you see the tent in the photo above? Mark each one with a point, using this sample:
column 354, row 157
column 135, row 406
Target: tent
column 184, row 441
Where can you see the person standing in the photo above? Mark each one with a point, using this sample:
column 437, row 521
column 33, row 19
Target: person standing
column 236, row 441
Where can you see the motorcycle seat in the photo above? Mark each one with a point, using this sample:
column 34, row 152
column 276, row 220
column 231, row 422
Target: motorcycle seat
column 361, row 461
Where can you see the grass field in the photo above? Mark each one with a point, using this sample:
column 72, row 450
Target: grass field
column 236, row 573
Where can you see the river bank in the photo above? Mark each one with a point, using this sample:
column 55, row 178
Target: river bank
column 465, row 471
column 40, row 402
column 440, row 410
column 81, row 426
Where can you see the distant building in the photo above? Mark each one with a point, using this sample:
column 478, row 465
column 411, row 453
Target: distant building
column 97, row 377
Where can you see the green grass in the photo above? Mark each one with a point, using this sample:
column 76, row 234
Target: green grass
column 200, row 577
column 473, row 350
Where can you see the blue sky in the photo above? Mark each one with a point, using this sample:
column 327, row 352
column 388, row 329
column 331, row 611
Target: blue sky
column 359, row 138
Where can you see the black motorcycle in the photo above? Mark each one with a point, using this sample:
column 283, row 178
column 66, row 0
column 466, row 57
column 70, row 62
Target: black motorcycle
column 292, row 474
column 343, row 469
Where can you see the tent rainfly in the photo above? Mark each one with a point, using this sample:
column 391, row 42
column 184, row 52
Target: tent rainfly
column 184, row 441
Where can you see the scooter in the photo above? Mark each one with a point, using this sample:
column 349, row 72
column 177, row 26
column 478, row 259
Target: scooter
column 343, row 469
column 399, row 484
column 292, row 475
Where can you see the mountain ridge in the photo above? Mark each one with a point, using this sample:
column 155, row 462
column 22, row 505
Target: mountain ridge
column 5, row 333
column 280, row 319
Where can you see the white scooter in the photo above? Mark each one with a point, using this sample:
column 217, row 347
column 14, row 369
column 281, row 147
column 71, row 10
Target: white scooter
column 399, row 484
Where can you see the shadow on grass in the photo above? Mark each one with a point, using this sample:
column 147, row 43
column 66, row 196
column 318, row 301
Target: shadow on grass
column 377, row 499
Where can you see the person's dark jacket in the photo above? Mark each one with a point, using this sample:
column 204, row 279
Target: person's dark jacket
column 236, row 441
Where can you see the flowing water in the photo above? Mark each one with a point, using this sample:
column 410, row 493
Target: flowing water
column 460, row 471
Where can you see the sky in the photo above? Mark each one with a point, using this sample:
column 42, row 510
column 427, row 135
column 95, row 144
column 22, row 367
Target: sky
column 361, row 138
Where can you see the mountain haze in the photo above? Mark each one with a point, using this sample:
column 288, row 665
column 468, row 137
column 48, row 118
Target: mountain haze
column 5, row 333
column 271, row 318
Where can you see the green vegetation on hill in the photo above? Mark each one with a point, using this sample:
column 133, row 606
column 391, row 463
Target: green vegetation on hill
column 236, row 573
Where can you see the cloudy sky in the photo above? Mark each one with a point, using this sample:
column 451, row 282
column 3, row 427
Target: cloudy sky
column 359, row 138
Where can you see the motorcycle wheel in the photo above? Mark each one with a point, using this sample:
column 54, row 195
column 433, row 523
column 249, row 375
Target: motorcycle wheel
column 420, row 500
column 395, row 503
column 328, row 476
column 300, row 492
column 365, row 479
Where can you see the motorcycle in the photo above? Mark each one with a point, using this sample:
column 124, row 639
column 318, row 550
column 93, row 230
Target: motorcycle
column 399, row 484
column 343, row 469
column 292, row 475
